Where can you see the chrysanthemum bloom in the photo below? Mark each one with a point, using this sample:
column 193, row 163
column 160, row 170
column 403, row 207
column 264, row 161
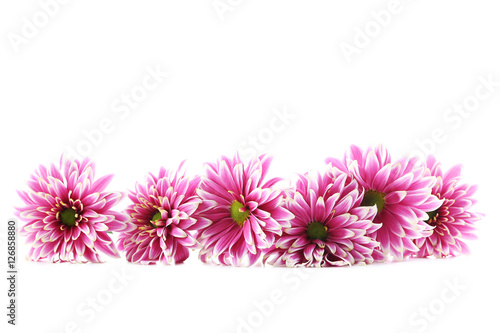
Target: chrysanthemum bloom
column 68, row 214
column 400, row 191
column 246, row 211
column 453, row 221
column 162, row 215
column 330, row 227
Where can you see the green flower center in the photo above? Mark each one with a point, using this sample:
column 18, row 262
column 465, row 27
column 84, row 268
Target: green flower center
column 317, row 230
column 373, row 197
column 156, row 218
column 68, row 217
column 433, row 218
column 239, row 213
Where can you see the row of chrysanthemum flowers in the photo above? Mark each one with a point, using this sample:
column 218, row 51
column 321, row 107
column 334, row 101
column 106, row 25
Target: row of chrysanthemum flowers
column 363, row 208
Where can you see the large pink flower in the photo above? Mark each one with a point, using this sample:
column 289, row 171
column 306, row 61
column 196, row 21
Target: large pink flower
column 245, row 211
column 400, row 191
column 68, row 214
column 330, row 227
column 453, row 221
column 163, row 219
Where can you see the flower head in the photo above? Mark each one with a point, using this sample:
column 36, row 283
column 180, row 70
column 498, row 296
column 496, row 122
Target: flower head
column 245, row 210
column 400, row 191
column 453, row 221
column 68, row 214
column 330, row 228
column 163, row 219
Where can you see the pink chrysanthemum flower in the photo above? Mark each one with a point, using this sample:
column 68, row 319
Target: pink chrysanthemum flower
column 453, row 221
column 246, row 211
column 400, row 191
column 330, row 227
column 163, row 219
column 68, row 214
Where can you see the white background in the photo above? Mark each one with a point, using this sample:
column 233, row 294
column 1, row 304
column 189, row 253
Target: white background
column 226, row 76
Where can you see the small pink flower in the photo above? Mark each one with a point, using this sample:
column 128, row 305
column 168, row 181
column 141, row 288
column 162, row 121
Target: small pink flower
column 453, row 221
column 68, row 214
column 330, row 228
column 400, row 191
column 163, row 222
column 245, row 211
